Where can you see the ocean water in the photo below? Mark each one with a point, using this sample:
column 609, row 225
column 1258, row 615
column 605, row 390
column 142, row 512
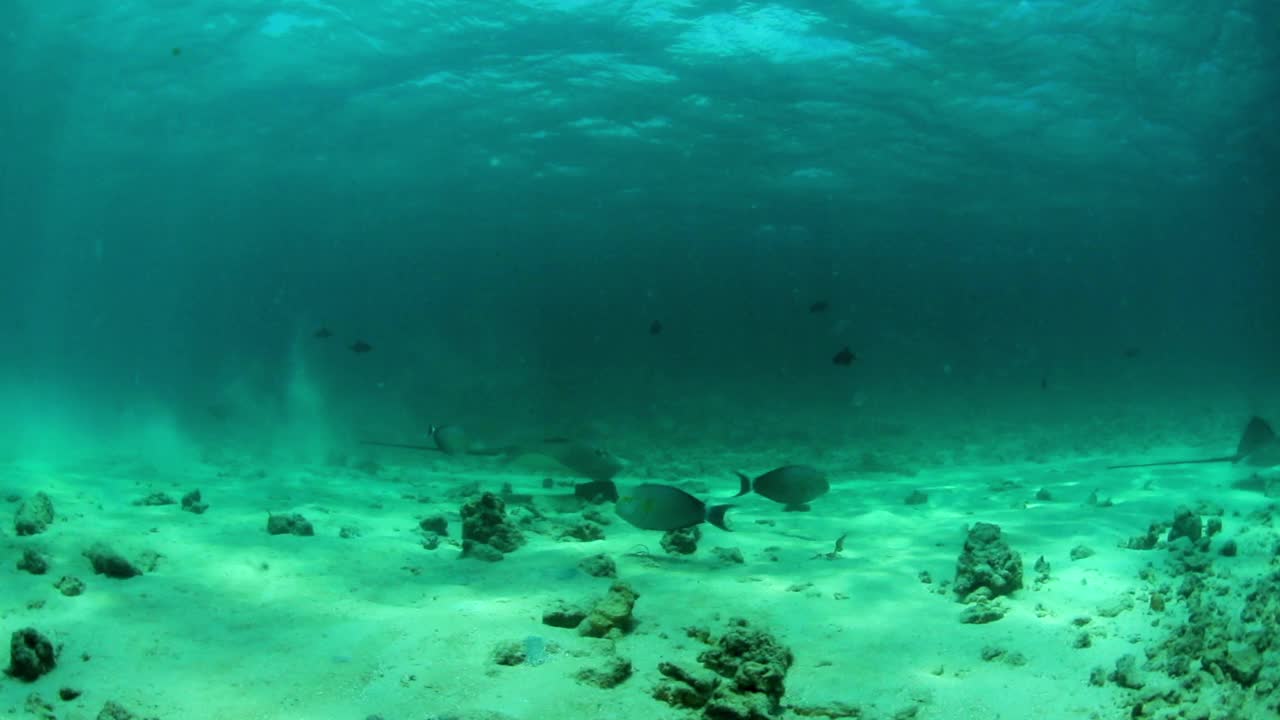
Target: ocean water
column 967, row 253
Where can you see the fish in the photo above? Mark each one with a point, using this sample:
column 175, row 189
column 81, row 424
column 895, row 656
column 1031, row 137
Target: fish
column 655, row 327
column 360, row 346
column 819, row 307
column 650, row 506
column 594, row 490
column 1258, row 446
column 792, row 485
column 322, row 334
column 834, row 554
column 844, row 357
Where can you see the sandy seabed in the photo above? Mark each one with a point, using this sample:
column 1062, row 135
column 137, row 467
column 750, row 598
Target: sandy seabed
column 361, row 620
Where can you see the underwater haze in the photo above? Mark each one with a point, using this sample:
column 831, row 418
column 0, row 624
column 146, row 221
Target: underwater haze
column 914, row 242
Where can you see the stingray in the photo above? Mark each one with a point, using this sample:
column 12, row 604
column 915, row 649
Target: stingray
column 449, row 439
column 580, row 458
column 584, row 459
column 1258, row 446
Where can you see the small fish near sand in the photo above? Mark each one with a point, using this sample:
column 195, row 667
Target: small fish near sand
column 792, row 485
column 651, row 506
column 845, row 357
column 360, row 347
column 819, row 307
column 834, row 554
column 323, row 333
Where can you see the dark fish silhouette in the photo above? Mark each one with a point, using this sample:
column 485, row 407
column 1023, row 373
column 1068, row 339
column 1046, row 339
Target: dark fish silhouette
column 792, row 485
column 655, row 328
column 1258, row 446
column 322, row 334
column 819, row 307
column 593, row 491
column 360, row 346
column 650, row 506
column 844, row 357
column 1132, row 352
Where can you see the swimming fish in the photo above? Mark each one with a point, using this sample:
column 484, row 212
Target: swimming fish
column 844, row 357
column 792, row 485
column 650, row 506
column 360, row 346
column 655, row 328
column 596, row 490
column 322, row 334
column 834, row 554
column 819, row 307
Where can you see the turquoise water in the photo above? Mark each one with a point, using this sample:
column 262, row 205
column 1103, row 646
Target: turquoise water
column 237, row 239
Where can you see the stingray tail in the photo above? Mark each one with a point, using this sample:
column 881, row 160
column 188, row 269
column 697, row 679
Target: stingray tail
column 430, row 448
column 1224, row 458
column 716, row 516
column 746, row 484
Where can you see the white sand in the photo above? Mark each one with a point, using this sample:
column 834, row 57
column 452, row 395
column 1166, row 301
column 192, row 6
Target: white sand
column 235, row 623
